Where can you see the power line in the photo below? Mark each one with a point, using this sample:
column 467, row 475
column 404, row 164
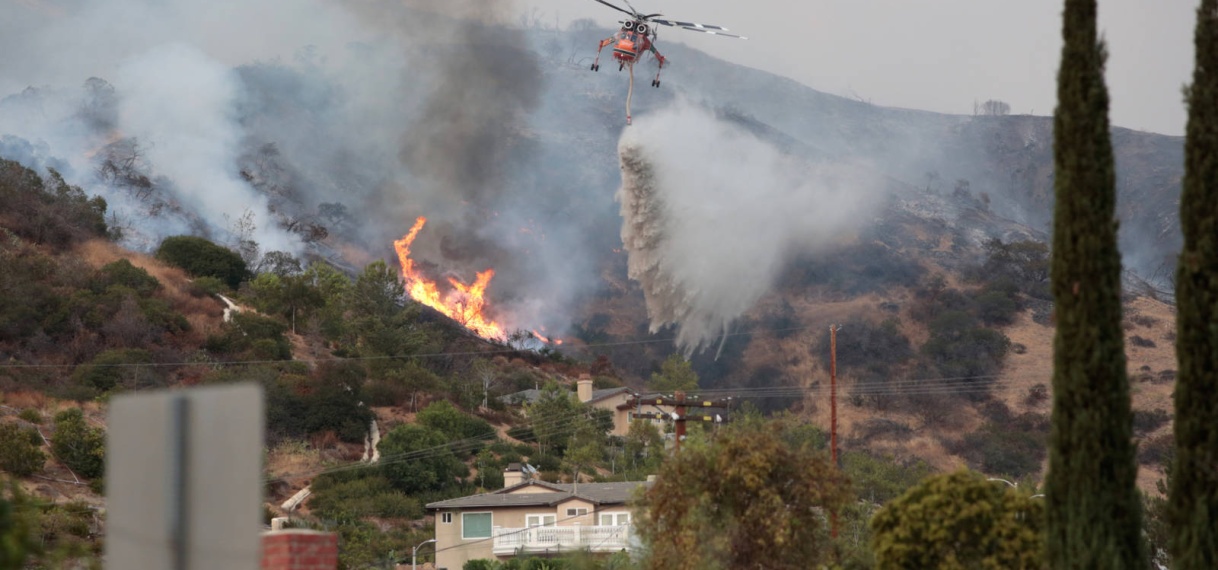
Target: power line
column 899, row 388
column 392, row 357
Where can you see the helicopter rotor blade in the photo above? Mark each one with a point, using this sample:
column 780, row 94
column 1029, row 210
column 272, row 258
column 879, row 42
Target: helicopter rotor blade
column 691, row 25
column 713, row 32
column 618, row 8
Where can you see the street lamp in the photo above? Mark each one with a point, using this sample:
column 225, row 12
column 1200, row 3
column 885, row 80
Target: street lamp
column 997, row 480
column 415, row 551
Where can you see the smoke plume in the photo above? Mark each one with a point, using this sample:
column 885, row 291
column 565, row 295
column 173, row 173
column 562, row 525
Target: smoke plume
column 710, row 213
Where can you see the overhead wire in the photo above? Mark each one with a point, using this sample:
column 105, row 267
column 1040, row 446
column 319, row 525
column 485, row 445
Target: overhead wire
column 892, row 388
column 443, row 354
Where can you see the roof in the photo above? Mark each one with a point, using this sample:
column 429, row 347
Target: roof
column 532, row 395
column 595, row 493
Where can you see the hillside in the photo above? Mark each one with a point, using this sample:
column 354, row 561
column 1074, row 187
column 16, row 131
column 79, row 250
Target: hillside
column 944, row 357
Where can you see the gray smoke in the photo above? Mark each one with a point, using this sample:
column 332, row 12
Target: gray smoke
column 710, row 214
column 265, row 119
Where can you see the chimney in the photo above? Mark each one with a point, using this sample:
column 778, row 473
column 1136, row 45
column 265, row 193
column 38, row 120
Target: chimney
column 583, row 387
column 512, row 475
column 299, row 549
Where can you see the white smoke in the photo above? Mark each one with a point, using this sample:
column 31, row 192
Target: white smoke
column 711, row 213
column 182, row 105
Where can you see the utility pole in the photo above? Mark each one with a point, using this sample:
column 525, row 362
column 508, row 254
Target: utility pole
column 679, row 416
column 833, row 412
column 833, row 393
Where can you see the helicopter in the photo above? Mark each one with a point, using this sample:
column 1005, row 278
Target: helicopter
column 637, row 38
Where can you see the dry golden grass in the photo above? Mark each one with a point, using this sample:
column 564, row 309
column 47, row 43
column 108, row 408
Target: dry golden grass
column 175, row 282
column 293, row 460
column 24, row 399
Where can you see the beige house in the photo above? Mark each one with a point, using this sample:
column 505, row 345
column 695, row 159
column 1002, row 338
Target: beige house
column 533, row 517
column 616, row 400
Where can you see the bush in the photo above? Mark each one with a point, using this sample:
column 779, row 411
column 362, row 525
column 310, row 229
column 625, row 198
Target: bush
column 123, row 273
column 110, row 369
column 31, row 415
column 20, row 450
column 443, row 417
column 1145, row 421
column 202, row 258
column 207, row 286
column 80, row 447
column 243, row 334
column 1157, row 450
column 1141, row 342
column 358, row 494
column 1015, row 447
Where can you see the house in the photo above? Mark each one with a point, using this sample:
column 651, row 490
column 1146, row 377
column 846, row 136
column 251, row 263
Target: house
column 618, row 402
column 607, row 399
column 534, row 517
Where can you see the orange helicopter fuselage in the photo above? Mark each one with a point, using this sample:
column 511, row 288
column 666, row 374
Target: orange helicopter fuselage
column 629, row 46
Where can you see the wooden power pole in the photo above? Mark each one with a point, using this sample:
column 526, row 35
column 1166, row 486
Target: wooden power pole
column 679, row 415
column 833, row 412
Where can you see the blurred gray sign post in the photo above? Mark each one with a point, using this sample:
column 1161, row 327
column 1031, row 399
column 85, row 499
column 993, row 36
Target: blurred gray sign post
column 184, row 479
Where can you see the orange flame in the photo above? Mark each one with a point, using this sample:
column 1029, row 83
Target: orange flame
column 545, row 339
column 463, row 304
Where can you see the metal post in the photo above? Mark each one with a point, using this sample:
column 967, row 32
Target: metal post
column 179, row 469
column 415, row 551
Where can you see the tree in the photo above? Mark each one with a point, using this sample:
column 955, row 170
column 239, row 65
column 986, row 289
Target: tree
column 20, row 450
column 675, row 374
column 18, row 521
column 280, row 263
column 202, row 258
column 418, row 460
column 1193, row 496
column 960, row 520
column 1093, row 509
column 584, row 450
column 81, row 447
column 643, row 448
column 553, row 416
column 456, row 425
column 742, row 497
column 378, row 291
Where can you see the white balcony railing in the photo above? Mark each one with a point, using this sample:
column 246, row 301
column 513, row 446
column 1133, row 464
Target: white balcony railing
column 560, row 538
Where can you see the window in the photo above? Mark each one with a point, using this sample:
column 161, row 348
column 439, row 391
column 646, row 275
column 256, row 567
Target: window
column 539, row 520
column 475, row 525
column 446, row 518
column 576, row 512
column 615, row 519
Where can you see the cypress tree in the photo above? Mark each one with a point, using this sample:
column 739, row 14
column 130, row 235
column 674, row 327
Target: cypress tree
column 1193, row 491
column 1093, row 511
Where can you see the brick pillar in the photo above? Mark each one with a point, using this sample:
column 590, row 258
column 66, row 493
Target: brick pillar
column 299, row 549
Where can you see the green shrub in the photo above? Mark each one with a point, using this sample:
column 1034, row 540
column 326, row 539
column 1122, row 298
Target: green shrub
column 31, row 415
column 433, row 467
column 356, row 495
column 122, row 272
column 1146, row 421
column 207, row 286
column 80, row 447
column 20, row 450
column 455, row 424
column 201, row 258
column 241, row 336
column 111, row 368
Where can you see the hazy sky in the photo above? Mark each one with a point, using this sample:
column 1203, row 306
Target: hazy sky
column 941, row 55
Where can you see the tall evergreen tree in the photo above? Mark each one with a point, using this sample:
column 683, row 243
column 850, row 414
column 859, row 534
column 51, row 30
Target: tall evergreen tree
column 1193, row 494
column 1093, row 513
